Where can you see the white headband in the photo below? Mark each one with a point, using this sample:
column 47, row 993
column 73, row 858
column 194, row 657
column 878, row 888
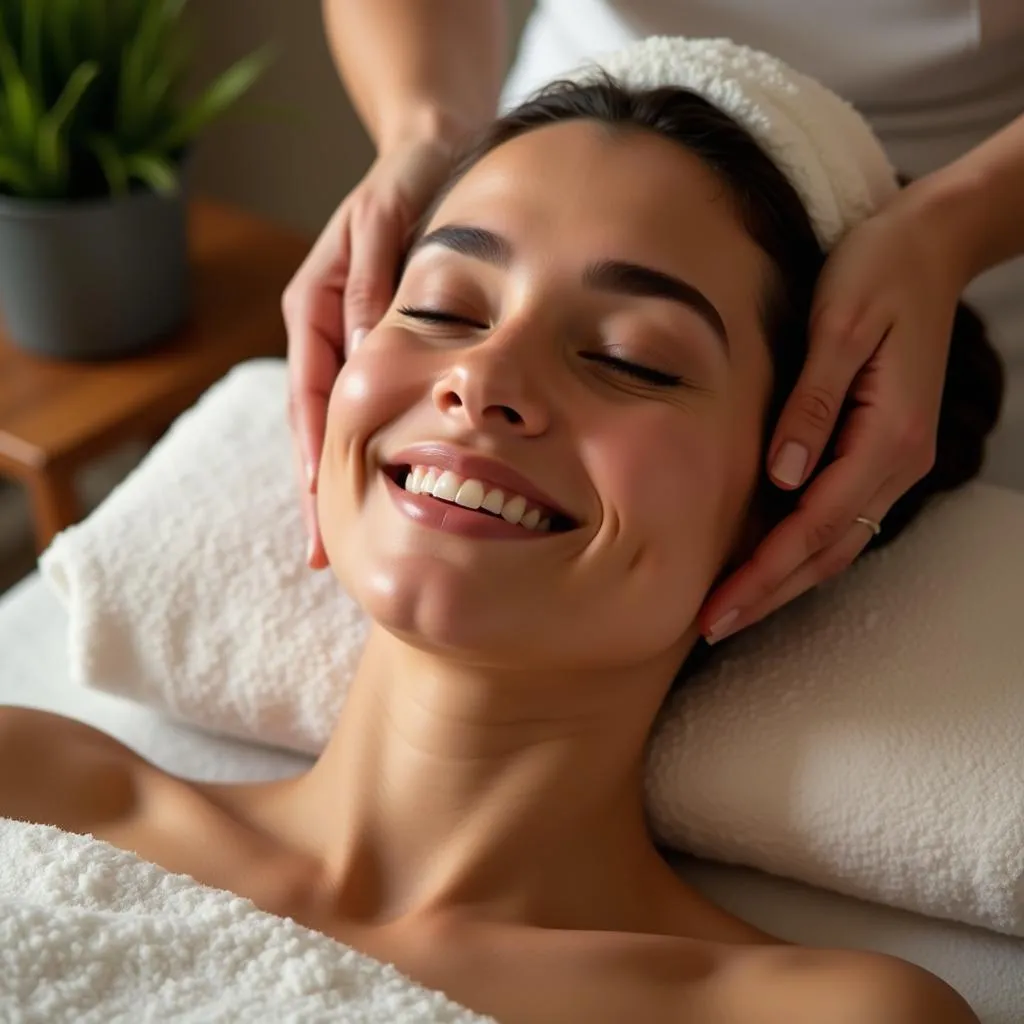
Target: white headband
column 824, row 147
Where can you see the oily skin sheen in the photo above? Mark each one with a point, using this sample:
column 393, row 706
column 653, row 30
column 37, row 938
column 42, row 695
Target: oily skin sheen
column 477, row 816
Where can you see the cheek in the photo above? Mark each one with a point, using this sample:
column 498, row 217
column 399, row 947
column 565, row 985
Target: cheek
column 385, row 379
column 373, row 390
column 665, row 477
column 661, row 478
column 368, row 393
column 676, row 485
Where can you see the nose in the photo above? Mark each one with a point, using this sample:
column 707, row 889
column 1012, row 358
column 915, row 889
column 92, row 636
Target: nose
column 495, row 385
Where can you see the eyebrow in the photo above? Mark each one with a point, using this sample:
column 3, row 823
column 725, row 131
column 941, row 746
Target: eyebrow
column 621, row 277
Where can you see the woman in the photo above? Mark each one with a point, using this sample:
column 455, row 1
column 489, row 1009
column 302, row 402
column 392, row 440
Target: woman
column 941, row 83
column 535, row 467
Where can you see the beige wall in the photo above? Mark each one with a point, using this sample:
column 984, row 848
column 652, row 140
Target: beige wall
column 296, row 158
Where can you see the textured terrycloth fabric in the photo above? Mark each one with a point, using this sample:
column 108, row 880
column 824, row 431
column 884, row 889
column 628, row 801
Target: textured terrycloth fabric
column 188, row 588
column 90, row 934
column 869, row 739
column 819, row 141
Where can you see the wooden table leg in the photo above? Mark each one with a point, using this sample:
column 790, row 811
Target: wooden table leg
column 55, row 503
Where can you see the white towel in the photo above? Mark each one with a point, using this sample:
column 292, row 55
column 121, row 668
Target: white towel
column 820, row 142
column 90, row 934
column 188, row 588
column 869, row 740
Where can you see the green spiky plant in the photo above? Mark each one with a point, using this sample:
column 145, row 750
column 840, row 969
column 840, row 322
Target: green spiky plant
column 91, row 98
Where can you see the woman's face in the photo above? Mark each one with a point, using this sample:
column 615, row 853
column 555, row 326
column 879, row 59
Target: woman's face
column 583, row 314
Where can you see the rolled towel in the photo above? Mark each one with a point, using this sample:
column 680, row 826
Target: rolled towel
column 819, row 141
column 869, row 739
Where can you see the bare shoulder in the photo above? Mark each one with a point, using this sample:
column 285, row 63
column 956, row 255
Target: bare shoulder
column 886, row 990
column 801, row 985
column 56, row 771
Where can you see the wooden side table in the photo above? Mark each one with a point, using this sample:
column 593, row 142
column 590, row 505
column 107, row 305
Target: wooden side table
column 55, row 416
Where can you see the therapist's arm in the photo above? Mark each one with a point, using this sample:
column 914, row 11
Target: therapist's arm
column 978, row 201
column 422, row 74
column 426, row 68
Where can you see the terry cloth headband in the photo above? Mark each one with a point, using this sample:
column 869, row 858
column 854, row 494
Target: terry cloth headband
column 820, row 142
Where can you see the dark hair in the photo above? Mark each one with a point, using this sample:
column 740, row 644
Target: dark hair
column 775, row 217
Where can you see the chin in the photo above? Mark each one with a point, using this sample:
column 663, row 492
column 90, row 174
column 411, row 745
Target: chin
column 430, row 589
column 440, row 607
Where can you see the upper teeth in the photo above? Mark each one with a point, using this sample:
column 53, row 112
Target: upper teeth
column 470, row 493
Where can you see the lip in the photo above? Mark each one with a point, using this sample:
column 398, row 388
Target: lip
column 480, row 467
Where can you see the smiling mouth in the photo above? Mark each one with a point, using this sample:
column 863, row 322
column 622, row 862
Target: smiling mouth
column 479, row 496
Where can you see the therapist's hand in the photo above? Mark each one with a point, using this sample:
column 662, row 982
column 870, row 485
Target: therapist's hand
column 343, row 288
column 879, row 340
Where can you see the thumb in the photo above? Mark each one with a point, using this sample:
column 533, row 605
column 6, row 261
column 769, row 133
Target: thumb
column 371, row 280
column 810, row 413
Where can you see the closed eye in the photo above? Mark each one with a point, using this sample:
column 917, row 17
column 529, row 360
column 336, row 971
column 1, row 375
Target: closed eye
column 439, row 316
column 635, row 370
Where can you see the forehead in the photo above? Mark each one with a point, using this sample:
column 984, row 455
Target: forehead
column 579, row 190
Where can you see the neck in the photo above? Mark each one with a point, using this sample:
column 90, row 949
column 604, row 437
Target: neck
column 445, row 786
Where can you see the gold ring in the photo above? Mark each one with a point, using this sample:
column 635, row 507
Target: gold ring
column 875, row 528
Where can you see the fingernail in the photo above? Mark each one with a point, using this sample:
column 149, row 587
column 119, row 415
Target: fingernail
column 720, row 627
column 310, row 548
column 311, row 474
column 356, row 339
column 790, row 464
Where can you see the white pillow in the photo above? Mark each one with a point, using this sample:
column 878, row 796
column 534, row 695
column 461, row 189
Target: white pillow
column 869, row 739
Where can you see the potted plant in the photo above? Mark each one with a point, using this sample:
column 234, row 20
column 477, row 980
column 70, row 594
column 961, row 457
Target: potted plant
column 93, row 134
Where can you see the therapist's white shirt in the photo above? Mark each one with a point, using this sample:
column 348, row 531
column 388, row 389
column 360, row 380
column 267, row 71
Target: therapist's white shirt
column 934, row 78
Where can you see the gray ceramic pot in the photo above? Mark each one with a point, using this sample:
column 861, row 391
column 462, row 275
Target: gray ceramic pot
column 95, row 279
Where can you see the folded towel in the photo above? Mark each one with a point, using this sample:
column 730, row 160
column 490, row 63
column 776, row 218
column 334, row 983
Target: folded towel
column 90, row 934
column 820, row 142
column 869, row 739
column 188, row 588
